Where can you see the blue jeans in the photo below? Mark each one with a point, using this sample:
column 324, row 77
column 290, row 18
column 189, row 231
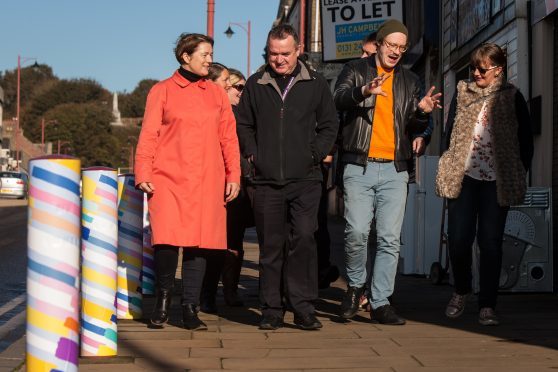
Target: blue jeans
column 376, row 189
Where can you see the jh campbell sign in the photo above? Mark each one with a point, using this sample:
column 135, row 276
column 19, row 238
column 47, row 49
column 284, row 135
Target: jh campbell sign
column 346, row 22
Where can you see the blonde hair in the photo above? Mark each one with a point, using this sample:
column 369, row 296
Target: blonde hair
column 236, row 76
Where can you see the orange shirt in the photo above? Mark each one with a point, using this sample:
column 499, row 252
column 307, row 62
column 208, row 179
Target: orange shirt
column 382, row 142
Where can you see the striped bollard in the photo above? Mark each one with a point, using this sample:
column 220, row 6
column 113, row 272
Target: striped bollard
column 148, row 268
column 130, row 248
column 99, row 241
column 53, row 264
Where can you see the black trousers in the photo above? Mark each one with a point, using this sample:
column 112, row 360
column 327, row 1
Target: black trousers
column 286, row 220
column 193, row 269
column 476, row 206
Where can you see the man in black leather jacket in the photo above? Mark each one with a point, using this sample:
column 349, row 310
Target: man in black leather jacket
column 383, row 110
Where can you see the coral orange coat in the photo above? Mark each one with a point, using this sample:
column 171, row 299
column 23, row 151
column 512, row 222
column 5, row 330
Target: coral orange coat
column 188, row 149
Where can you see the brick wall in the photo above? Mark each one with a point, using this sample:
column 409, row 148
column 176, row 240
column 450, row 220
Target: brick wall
column 28, row 150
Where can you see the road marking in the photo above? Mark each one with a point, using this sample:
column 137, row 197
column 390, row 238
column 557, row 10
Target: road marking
column 12, row 304
column 12, row 324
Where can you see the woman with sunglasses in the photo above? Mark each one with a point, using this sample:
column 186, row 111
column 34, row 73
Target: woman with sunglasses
column 483, row 172
column 228, row 264
column 187, row 161
column 239, row 213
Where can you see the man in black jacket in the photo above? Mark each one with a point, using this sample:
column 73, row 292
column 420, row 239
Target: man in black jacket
column 286, row 125
column 383, row 110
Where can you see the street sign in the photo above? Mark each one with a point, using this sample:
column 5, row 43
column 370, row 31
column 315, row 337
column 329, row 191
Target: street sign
column 346, row 22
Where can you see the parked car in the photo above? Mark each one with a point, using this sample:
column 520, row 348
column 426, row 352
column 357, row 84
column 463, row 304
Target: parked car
column 14, row 185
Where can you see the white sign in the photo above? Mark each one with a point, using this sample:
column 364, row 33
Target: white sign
column 346, row 22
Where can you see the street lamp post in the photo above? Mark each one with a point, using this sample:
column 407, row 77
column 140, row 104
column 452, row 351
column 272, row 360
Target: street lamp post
column 19, row 63
column 229, row 32
column 131, row 141
column 210, row 17
column 43, row 125
column 60, row 144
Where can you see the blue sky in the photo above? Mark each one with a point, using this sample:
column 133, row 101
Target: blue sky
column 120, row 42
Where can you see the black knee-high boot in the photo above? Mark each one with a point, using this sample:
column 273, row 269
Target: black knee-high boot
column 166, row 261
column 194, row 262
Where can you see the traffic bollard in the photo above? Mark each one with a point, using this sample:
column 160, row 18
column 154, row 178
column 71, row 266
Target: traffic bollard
column 53, row 244
column 148, row 268
column 99, row 262
column 130, row 248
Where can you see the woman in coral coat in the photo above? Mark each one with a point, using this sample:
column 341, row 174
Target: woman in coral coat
column 187, row 160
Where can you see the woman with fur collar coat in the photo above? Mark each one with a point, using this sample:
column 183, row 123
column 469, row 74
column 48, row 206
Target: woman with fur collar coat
column 483, row 172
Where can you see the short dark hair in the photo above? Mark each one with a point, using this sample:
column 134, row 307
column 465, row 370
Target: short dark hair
column 370, row 38
column 493, row 52
column 215, row 70
column 283, row 31
column 188, row 43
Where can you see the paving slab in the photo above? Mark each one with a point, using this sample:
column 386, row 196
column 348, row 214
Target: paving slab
column 526, row 340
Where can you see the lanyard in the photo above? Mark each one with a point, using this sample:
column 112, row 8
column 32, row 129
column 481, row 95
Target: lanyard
column 289, row 86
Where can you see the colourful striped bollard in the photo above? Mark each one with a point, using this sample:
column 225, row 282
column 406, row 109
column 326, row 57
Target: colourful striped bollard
column 53, row 264
column 130, row 248
column 99, row 253
column 148, row 268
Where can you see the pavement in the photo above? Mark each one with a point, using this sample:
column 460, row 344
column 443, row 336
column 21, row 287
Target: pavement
column 527, row 339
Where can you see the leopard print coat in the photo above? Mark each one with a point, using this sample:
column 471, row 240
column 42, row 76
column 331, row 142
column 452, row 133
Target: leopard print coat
column 510, row 174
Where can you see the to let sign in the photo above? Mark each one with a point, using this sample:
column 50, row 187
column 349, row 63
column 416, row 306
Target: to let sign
column 346, row 22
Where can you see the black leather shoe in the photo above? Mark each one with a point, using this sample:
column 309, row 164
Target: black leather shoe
column 208, row 306
column 307, row 322
column 351, row 302
column 190, row 318
column 386, row 315
column 327, row 276
column 271, row 322
column 160, row 314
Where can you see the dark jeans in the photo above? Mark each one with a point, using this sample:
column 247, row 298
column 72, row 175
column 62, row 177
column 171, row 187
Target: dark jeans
column 476, row 205
column 193, row 270
column 286, row 220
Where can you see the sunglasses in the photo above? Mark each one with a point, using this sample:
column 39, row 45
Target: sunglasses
column 482, row 71
column 238, row 87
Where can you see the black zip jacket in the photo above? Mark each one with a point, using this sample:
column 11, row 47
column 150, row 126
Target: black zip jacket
column 287, row 138
column 358, row 110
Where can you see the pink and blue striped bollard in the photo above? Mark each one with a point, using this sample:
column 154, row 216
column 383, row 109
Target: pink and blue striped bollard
column 130, row 248
column 99, row 239
column 148, row 268
column 53, row 270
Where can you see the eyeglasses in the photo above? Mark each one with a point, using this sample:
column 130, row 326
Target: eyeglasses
column 395, row 47
column 238, row 87
column 482, row 71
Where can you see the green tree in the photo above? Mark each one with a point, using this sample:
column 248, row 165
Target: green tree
column 31, row 80
column 59, row 93
column 132, row 105
column 86, row 126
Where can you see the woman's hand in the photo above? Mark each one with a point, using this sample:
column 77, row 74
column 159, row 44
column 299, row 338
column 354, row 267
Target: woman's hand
column 147, row 187
column 231, row 191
